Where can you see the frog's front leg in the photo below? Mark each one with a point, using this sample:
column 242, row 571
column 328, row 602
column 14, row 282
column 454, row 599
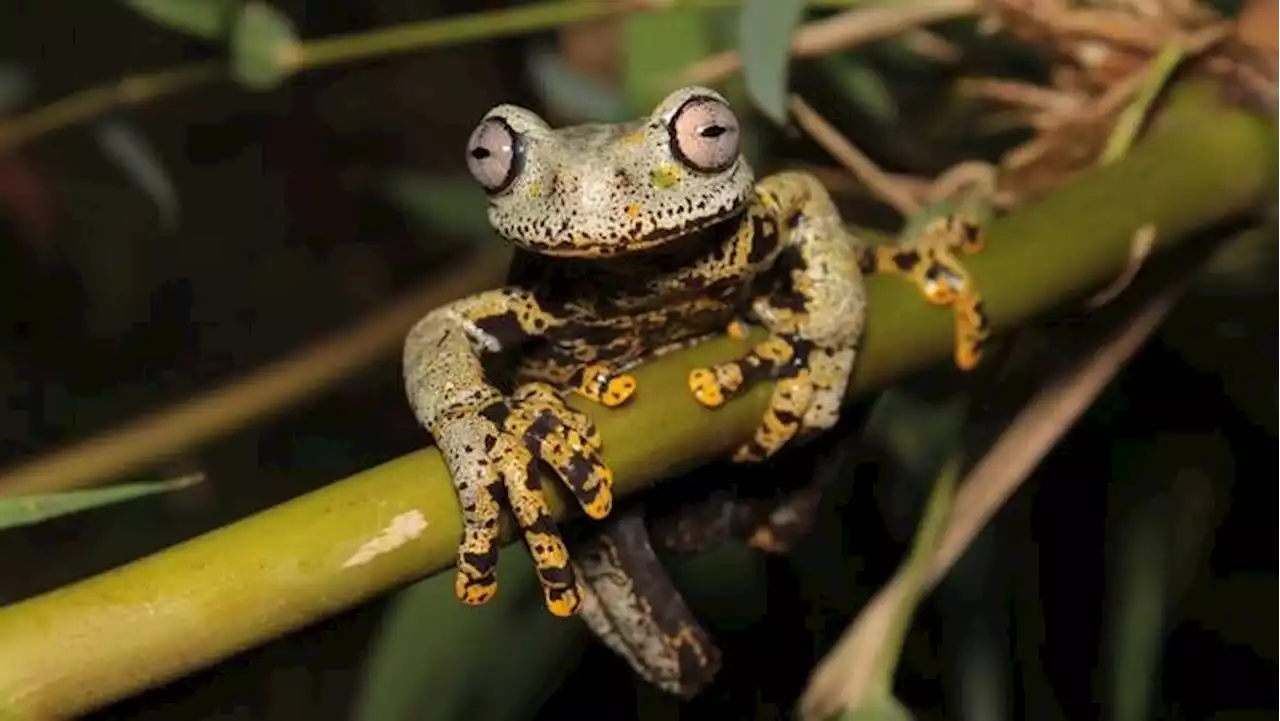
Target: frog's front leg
column 493, row 443
column 632, row 606
column 600, row 383
column 815, row 321
column 929, row 259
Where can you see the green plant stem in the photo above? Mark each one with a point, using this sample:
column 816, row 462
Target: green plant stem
column 84, row 645
column 145, row 87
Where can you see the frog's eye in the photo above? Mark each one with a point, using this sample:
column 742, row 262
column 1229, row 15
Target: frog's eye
column 494, row 154
column 705, row 134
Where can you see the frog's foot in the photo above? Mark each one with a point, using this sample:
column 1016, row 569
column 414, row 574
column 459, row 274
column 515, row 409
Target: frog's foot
column 770, row 525
column 810, row 387
column 493, row 455
column 930, row 261
column 600, row 384
column 704, row 523
column 634, row 609
column 788, row 522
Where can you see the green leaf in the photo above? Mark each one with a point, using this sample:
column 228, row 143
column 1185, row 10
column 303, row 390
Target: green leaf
column 450, row 204
column 562, row 87
column 208, row 19
column 15, row 86
column 658, row 45
column 857, row 80
column 28, row 510
column 764, row 39
column 141, row 164
column 264, row 47
column 881, row 709
column 437, row 658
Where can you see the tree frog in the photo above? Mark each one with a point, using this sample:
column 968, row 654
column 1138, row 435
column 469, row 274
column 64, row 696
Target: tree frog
column 632, row 240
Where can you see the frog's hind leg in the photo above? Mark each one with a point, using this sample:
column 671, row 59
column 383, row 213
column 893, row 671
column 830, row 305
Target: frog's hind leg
column 929, row 259
column 768, row 524
column 631, row 605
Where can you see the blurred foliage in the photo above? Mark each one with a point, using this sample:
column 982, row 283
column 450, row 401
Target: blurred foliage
column 765, row 44
column 25, row 510
column 323, row 193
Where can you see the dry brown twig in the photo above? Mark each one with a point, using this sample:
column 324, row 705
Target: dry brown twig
column 1106, row 54
column 838, row 32
column 840, row 680
column 863, row 168
column 279, row 385
column 1143, row 241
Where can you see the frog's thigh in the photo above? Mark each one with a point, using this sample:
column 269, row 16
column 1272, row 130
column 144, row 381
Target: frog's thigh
column 632, row 606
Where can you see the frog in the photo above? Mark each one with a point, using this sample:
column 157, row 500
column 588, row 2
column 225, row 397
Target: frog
column 632, row 240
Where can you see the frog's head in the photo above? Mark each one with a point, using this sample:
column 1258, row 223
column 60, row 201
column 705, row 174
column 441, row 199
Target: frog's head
column 598, row 190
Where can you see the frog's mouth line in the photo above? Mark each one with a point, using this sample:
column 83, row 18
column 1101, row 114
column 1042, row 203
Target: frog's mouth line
column 631, row 246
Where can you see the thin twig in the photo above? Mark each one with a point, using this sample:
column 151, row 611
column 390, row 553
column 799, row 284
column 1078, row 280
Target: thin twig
column 831, row 140
column 838, row 32
column 1020, row 94
column 1004, row 468
column 1143, row 241
column 323, row 52
column 171, row 431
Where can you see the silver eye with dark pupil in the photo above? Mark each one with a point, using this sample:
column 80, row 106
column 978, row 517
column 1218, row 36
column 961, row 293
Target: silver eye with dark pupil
column 705, row 135
column 493, row 154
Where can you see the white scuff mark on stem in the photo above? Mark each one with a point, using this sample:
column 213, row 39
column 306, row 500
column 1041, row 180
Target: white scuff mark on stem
column 402, row 529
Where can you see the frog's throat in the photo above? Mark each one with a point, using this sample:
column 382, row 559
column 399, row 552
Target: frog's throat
column 581, row 247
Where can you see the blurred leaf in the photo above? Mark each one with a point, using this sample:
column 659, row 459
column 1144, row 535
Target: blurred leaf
column 264, row 46
column 918, row 433
column 209, row 19
column 15, row 86
column 411, row 671
column 561, row 87
column 27, row 510
column 860, row 84
column 136, row 159
column 765, row 43
column 454, row 205
column 881, row 709
column 658, row 45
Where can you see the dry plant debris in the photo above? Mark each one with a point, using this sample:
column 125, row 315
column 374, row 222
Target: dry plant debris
column 1103, row 55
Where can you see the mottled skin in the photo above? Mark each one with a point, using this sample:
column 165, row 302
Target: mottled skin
column 632, row 240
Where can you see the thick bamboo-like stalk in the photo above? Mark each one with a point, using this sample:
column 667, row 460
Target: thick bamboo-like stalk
column 192, row 605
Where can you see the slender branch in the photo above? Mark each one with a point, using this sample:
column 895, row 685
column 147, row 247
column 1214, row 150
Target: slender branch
column 138, row 89
column 839, row 32
column 215, row 413
column 854, row 667
column 199, row 602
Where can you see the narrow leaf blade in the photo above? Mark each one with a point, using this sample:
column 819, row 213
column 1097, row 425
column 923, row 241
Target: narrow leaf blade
column 764, row 39
column 658, row 45
column 208, row 19
column 264, row 47
column 28, row 510
column 449, row 204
